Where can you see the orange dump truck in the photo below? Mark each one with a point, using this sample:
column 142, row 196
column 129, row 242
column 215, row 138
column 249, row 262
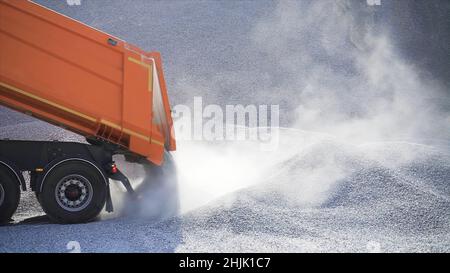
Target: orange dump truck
column 87, row 81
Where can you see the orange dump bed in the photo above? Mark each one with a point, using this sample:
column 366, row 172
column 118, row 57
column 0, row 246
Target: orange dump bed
column 85, row 80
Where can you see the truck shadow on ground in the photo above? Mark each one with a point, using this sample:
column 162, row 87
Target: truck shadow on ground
column 35, row 220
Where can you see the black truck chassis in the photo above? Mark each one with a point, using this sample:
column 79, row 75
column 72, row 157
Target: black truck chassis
column 71, row 180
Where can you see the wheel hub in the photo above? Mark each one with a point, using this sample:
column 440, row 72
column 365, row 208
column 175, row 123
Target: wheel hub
column 73, row 192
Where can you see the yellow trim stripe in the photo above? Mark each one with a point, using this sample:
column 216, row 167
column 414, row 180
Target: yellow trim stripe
column 150, row 70
column 125, row 130
column 108, row 123
column 157, row 142
column 139, row 62
column 150, row 79
column 20, row 91
column 133, row 133
column 130, row 132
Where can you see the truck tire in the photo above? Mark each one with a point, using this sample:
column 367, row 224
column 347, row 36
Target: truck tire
column 73, row 192
column 9, row 194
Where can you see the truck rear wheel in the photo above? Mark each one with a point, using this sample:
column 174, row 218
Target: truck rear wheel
column 9, row 194
column 73, row 192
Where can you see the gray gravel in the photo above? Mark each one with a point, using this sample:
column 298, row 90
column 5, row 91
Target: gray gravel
column 382, row 186
column 371, row 204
